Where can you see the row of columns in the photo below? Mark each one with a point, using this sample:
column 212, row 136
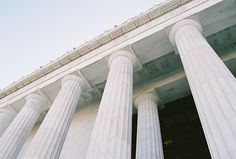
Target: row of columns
column 48, row 140
column 212, row 85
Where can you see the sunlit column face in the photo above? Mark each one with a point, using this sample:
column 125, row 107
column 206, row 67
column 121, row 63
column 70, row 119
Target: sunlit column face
column 112, row 127
column 49, row 139
column 6, row 117
column 149, row 142
column 15, row 136
column 212, row 85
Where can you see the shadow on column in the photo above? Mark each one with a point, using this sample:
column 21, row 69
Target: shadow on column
column 181, row 130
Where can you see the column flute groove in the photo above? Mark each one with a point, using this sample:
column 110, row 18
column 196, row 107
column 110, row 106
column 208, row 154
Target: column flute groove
column 111, row 135
column 14, row 137
column 213, row 87
column 6, row 117
column 49, row 139
column 149, row 142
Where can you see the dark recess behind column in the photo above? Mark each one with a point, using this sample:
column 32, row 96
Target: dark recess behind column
column 182, row 134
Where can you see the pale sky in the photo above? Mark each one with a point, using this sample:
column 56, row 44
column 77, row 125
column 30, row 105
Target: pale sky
column 34, row 32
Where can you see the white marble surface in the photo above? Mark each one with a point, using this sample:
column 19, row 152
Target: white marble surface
column 6, row 117
column 16, row 134
column 78, row 136
column 111, row 136
column 149, row 142
column 49, row 139
column 77, row 139
column 213, row 87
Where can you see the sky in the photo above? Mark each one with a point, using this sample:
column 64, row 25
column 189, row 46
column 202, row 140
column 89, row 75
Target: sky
column 34, row 32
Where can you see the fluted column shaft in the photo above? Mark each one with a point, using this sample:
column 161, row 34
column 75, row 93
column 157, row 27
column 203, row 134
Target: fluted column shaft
column 14, row 137
column 111, row 135
column 213, row 87
column 49, row 139
column 6, row 117
column 149, row 142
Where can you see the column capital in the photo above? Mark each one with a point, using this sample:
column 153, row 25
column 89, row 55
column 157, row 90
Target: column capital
column 43, row 100
column 75, row 78
column 149, row 95
column 179, row 25
column 123, row 53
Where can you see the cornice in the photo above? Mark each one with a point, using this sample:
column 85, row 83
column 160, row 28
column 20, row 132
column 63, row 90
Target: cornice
column 106, row 37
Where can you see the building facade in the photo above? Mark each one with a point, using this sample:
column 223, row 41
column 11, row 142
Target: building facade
column 160, row 85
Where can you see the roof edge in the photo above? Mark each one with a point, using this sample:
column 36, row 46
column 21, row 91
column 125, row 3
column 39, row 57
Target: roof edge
column 106, row 37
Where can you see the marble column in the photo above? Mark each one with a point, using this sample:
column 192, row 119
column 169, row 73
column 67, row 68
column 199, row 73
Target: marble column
column 213, row 88
column 14, row 137
column 49, row 139
column 111, row 135
column 149, row 142
column 6, row 117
